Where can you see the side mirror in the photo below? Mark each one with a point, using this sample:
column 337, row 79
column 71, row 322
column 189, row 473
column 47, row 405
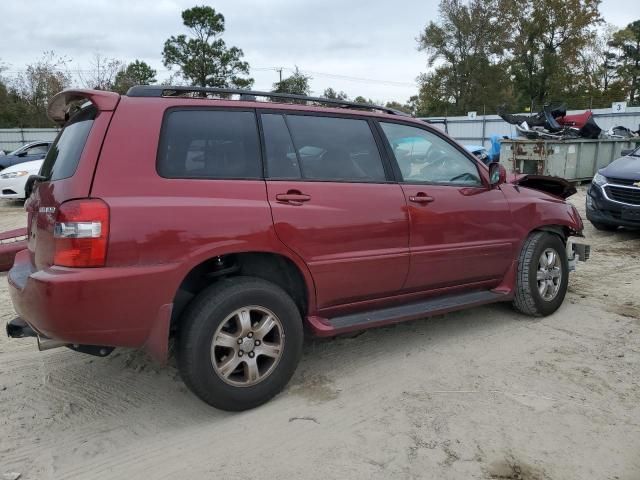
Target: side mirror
column 31, row 184
column 497, row 174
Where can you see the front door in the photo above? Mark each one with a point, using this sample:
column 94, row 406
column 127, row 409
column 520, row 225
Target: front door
column 460, row 233
column 333, row 205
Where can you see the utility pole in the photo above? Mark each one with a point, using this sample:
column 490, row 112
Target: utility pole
column 279, row 70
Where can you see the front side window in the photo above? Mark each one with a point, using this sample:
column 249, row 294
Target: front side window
column 426, row 157
column 209, row 144
column 38, row 150
column 321, row 148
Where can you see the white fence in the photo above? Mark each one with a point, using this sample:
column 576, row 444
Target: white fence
column 467, row 131
column 12, row 138
column 479, row 130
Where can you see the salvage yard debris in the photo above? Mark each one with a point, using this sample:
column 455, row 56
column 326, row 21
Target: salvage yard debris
column 553, row 123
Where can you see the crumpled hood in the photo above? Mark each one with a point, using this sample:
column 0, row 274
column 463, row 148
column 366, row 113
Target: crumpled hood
column 556, row 186
column 627, row 168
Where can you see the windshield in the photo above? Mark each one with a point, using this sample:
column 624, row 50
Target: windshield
column 17, row 150
column 63, row 156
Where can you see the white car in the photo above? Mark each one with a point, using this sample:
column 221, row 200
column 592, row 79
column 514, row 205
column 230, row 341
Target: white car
column 13, row 179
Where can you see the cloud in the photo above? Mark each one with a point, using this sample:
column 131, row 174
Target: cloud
column 356, row 38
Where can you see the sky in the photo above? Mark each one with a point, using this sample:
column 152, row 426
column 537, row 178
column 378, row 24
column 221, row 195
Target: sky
column 366, row 48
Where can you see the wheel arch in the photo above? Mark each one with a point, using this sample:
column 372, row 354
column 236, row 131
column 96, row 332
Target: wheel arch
column 288, row 273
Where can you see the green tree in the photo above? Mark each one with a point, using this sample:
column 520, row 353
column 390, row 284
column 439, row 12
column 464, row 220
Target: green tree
column 136, row 73
column 40, row 81
column 361, row 99
column 628, row 61
column 204, row 59
column 297, row 84
column 594, row 81
column 466, row 46
column 332, row 94
column 548, row 36
column 402, row 107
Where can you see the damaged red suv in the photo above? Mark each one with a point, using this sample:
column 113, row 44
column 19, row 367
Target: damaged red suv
column 234, row 221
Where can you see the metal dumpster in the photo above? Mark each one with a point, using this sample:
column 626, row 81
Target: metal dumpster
column 574, row 160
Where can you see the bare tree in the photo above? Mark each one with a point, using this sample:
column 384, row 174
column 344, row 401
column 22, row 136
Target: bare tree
column 102, row 74
column 40, row 81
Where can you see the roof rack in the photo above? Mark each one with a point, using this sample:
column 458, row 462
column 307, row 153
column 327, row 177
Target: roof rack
column 249, row 95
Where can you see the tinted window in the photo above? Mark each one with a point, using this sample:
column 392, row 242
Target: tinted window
column 209, row 144
column 331, row 149
column 282, row 161
column 63, row 156
column 425, row 157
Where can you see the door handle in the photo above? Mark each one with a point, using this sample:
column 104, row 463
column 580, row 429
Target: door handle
column 421, row 197
column 293, row 197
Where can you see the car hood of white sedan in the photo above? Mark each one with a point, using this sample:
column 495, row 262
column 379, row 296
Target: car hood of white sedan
column 32, row 167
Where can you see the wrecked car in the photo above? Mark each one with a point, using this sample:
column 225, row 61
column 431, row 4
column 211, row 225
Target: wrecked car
column 553, row 123
column 243, row 224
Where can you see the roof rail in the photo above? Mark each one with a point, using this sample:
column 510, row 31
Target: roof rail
column 250, row 95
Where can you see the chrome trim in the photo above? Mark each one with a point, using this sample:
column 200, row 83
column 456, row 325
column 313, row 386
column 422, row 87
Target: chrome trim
column 604, row 193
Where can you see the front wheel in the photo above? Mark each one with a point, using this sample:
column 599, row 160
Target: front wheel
column 239, row 343
column 543, row 275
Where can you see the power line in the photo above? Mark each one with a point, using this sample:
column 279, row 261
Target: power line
column 392, row 83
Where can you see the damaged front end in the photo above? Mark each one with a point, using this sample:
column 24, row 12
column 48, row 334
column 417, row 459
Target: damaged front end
column 556, row 186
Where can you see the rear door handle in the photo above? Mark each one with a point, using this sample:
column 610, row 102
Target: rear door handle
column 421, row 197
column 293, row 197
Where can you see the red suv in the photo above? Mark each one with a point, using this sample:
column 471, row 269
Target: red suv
column 235, row 225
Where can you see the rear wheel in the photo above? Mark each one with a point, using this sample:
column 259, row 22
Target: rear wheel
column 543, row 274
column 239, row 343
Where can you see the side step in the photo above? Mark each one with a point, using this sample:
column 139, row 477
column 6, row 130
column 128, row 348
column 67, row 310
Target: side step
column 401, row 313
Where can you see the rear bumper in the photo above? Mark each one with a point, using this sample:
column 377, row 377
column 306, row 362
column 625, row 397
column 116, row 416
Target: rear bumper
column 602, row 210
column 119, row 307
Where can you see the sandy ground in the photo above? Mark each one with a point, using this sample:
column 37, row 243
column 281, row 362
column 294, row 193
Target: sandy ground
column 480, row 394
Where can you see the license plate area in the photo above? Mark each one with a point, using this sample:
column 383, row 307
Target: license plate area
column 632, row 214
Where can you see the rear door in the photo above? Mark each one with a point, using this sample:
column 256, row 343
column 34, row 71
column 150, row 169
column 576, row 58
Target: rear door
column 460, row 228
column 67, row 172
column 334, row 205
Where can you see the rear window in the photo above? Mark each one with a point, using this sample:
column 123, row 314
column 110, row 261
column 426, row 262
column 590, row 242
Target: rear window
column 321, row 148
column 64, row 155
column 209, row 144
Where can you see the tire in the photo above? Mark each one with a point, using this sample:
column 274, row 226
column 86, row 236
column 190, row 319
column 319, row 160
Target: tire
column 605, row 227
column 528, row 297
column 204, row 366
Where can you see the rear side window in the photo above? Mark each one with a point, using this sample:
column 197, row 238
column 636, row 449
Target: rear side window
column 321, row 148
column 64, row 155
column 209, row 144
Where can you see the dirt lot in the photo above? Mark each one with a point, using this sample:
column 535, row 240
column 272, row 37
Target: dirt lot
column 474, row 395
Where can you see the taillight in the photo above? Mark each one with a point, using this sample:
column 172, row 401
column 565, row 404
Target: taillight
column 80, row 234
